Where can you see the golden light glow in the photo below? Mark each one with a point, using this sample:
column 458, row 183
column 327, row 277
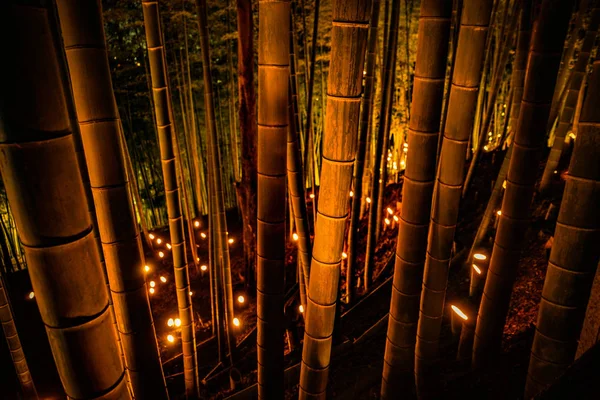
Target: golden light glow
column 170, row 322
column 163, row 279
column 504, row 184
column 295, row 236
column 197, row 259
column 241, row 299
column 476, row 268
column 203, row 235
column 312, row 196
column 230, row 240
column 191, row 293
column 387, row 221
column 169, row 246
column 197, row 224
column 499, row 212
column 351, row 193
column 158, row 241
column 396, row 218
column 151, row 236
column 402, row 164
column 177, row 322
column 368, row 200
column 203, row 267
column 555, row 171
column 301, row 308
column 390, row 211
column 152, row 283
column 236, row 322
column 485, row 148
column 459, row 312
column 151, row 290
column 161, row 254
column 344, row 254
column 146, row 268
column 31, row 295
column 171, row 338
column 479, row 256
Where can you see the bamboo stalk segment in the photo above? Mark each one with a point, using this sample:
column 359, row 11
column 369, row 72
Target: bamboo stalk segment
column 575, row 253
column 45, row 189
column 430, row 73
column 349, row 42
column 517, row 78
column 166, row 131
column 544, row 57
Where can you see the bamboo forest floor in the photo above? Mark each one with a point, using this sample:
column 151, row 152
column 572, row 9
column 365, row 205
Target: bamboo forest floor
column 357, row 362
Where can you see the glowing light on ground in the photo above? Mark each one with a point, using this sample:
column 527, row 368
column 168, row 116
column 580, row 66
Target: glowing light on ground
column 231, row 241
column 191, row 293
column 203, row 267
column 479, row 256
column 387, row 221
column 177, row 322
column 158, row 241
column 163, row 279
column 170, row 322
column 396, row 218
column 151, row 236
column 169, row 246
column 344, row 254
column 295, row 236
column 241, row 299
column 197, row 224
column 171, row 338
column 152, row 283
column 236, row 322
column 368, row 200
column 351, row 193
column 146, row 268
column 459, row 312
column 31, row 295
column 151, row 290
column 203, row 235
column 301, row 308
column 499, row 212
column 390, row 211
column 476, row 268
column 312, row 196
column 161, row 254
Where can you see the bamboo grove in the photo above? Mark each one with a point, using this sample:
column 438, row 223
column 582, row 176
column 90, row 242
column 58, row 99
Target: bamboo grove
column 299, row 198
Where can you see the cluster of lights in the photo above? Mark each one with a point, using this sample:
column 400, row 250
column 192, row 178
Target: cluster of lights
column 174, row 322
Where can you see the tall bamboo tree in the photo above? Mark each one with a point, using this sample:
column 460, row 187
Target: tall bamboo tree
column 366, row 118
column 166, row 131
column 544, row 57
column 17, row 355
column 474, row 25
column 247, row 119
column 574, row 256
column 382, row 132
column 85, row 47
column 348, row 44
column 568, row 107
column 45, row 189
column 424, row 127
column 273, row 83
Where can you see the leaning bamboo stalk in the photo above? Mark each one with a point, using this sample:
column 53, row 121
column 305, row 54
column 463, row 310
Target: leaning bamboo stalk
column 543, row 60
column 517, row 79
column 349, row 42
column 568, row 110
column 575, row 254
column 166, row 131
column 419, row 176
column 474, row 26
column 14, row 345
column 45, row 189
column 97, row 114
column 273, row 83
column 382, row 131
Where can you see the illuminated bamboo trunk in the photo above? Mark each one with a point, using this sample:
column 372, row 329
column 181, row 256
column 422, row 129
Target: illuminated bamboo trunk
column 575, row 254
column 45, row 190
column 519, row 64
column 85, row 47
column 544, row 56
column 419, row 175
column 568, row 110
column 166, row 131
column 474, row 25
column 366, row 118
column 491, row 100
column 14, row 345
column 348, row 44
column 233, row 133
column 295, row 177
column 382, row 130
column 215, row 165
column 273, row 97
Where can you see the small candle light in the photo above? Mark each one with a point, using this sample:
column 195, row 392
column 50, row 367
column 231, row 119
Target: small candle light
column 163, row 279
column 170, row 322
column 387, row 221
column 312, row 196
column 146, row 268
column 171, row 338
column 203, row 235
column 177, row 322
column 236, row 322
column 230, row 240
column 396, row 218
column 390, row 211
column 351, row 193
column 203, row 267
column 152, row 283
column 301, row 308
column 169, row 246
column 161, row 254
column 191, row 293
column 295, row 236
column 241, row 299
column 479, row 256
column 476, row 269
column 158, row 241
column 344, row 255
column 31, row 295
column 459, row 312
column 368, row 200
column 151, row 290
column 499, row 212
column 197, row 224
column 151, row 236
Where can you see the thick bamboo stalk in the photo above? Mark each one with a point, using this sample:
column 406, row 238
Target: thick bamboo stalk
column 575, row 253
column 87, row 58
column 430, row 73
column 568, row 110
column 382, row 131
column 366, row 118
column 295, row 176
column 215, row 165
column 273, row 98
column 474, row 25
column 45, row 189
column 166, row 131
column 14, row 345
column 544, row 56
column 348, row 44
column 233, row 133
